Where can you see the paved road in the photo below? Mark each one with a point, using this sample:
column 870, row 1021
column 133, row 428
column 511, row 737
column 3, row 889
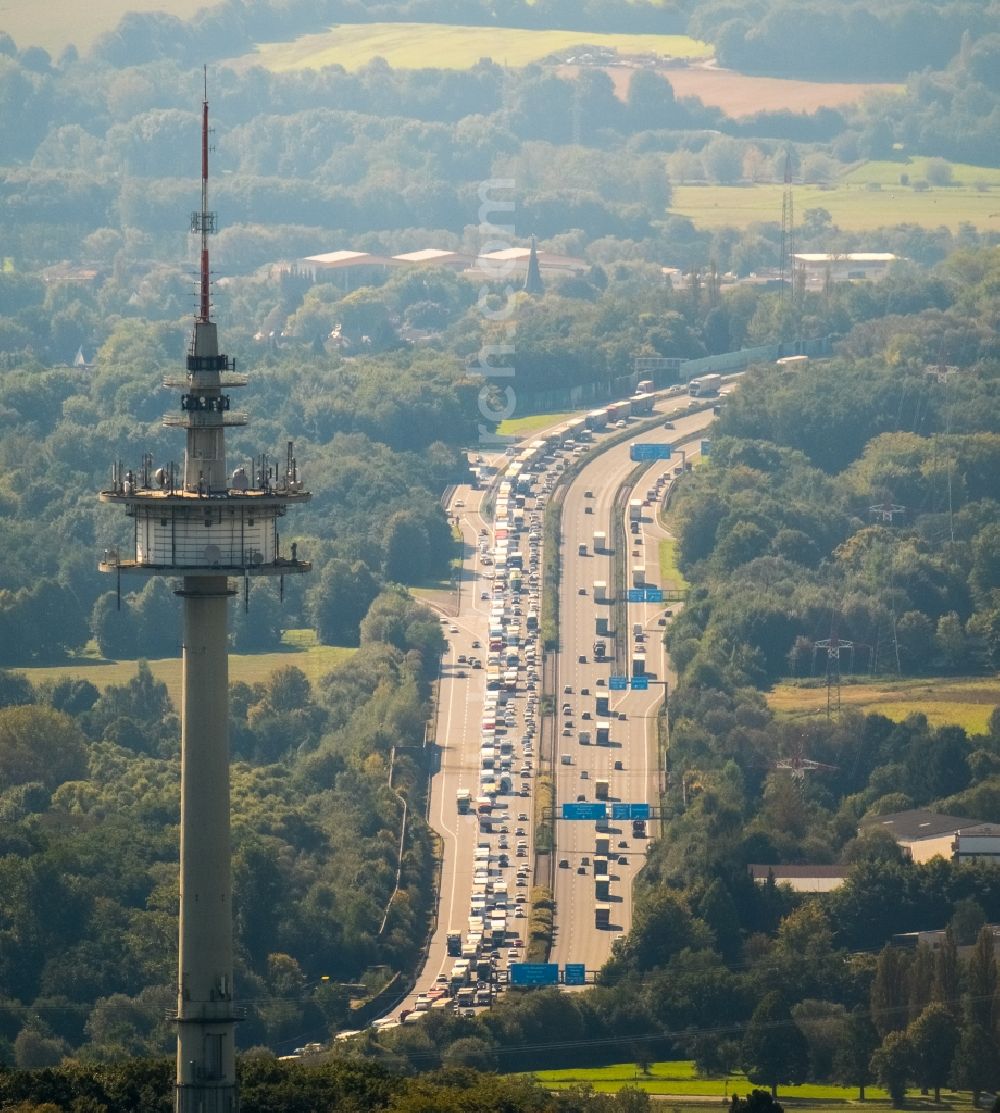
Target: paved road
column 633, row 736
column 459, row 727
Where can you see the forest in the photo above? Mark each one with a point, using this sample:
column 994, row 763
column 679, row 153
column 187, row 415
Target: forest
column 777, row 536
column 778, row 540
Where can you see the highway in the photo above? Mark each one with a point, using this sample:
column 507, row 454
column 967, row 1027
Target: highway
column 588, row 506
column 474, row 859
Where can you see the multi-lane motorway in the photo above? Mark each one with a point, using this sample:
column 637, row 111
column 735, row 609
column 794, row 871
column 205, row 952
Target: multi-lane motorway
column 630, row 762
column 503, row 858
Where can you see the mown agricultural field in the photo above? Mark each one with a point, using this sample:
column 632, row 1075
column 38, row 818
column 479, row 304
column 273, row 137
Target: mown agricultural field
column 315, row 661
column 418, row 45
column 679, row 1079
column 965, row 702
column 741, row 94
column 853, row 207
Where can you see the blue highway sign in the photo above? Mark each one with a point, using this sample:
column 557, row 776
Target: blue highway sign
column 574, row 973
column 706, row 448
column 646, row 451
column 635, row 595
column 617, row 683
column 640, row 683
column 534, row 973
column 584, row 811
column 630, row 811
column 653, row 595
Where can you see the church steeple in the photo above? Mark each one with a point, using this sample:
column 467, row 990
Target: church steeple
column 533, row 279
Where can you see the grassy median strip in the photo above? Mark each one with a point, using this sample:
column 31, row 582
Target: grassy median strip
column 551, row 541
column 540, row 924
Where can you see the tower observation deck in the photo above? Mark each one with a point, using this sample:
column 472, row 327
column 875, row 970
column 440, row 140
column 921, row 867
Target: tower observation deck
column 204, row 525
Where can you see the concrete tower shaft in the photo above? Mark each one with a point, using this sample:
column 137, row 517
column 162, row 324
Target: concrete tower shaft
column 205, row 526
column 206, row 1017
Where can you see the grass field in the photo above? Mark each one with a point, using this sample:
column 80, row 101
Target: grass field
column 54, row 24
column 519, row 426
column 671, row 576
column 852, row 207
column 415, row 45
column 314, row 660
column 964, row 702
column 887, row 173
column 679, row 1078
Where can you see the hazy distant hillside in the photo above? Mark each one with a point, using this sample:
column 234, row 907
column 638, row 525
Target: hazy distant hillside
column 55, row 24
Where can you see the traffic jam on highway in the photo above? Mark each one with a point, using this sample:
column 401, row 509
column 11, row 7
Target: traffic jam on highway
column 495, row 805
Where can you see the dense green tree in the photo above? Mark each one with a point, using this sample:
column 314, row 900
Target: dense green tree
column 976, row 1065
column 339, row 600
column 933, row 1038
column 888, row 994
column 858, row 1041
column 891, row 1065
column 774, row 1049
column 981, row 982
column 39, row 744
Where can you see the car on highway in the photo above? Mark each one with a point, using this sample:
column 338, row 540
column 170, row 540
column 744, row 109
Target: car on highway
column 622, row 860
column 452, row 629
column 582, row 659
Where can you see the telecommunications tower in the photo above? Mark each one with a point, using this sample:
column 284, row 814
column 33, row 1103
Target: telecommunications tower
column 205, row 526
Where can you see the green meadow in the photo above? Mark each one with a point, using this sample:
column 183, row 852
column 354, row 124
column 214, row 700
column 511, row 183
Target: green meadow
column 446, row 46
column 967, row 702
column 302, row 652
column 678, row 1078
column 853, row 207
